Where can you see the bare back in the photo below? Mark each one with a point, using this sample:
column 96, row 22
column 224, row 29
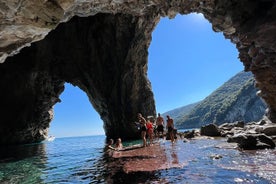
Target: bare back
column 159, row 120
column 170, row 123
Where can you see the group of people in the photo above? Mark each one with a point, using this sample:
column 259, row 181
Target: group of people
column 118, row 145
column 147, row 128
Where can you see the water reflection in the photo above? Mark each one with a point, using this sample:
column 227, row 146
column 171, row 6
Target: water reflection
column 175, row 158
column 21, row 163
column 14, row 153
column 114, row 171
column 262, row 163
column 83, row 160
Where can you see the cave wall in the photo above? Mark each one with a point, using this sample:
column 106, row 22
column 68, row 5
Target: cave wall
column 104, row 55
column 251, row 26
column 103, row 50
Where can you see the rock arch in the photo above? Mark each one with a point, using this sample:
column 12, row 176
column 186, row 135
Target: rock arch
column 108, row 65
column 104, row 52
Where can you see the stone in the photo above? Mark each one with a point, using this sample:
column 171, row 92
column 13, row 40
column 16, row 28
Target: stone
column 210, row 130
column 252, row 141
column 269, row 130
column 189, row 134
column 148, row 159
column 36, row 36
column 229, row 126
column 215, row 156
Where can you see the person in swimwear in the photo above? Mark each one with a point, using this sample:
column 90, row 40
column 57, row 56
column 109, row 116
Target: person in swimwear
column 109, row 149
column 118, row 145
column 170, row 127
column 143, row 123
column 160, row 125
column 109, row 145
column 150, row 131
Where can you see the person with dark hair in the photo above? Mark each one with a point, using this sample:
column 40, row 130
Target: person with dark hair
column 109, row 145
column 143, row 124
column 160, row 125
column 150, row 131
column 109, row 149
column 118, row 144
column 170, row 127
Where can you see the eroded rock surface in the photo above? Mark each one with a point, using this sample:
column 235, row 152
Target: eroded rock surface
column 104, row 52
column 150, row 158
column 109, row 65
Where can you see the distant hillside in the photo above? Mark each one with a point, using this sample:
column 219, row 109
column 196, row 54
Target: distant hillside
column 179, row 113
column 234, row 100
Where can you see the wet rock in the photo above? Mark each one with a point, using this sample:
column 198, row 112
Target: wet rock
column 150, row 158
column 215, row 156
column 269, row 130
column 210, row 130
column 187, row 134
column 252, row 141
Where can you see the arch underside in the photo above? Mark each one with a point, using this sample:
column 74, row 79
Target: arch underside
column 105, row 55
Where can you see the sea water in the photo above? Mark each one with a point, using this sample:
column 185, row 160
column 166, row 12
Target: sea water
column 82, row 160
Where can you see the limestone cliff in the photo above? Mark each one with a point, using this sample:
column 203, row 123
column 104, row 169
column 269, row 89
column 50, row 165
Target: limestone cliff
column 102, row 47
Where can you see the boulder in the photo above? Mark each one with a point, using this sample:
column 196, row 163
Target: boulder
column 252, row 141
column 189, row 134
column 269, row 130
column 210, row 130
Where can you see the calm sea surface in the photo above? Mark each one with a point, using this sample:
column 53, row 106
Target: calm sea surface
column 82, row 160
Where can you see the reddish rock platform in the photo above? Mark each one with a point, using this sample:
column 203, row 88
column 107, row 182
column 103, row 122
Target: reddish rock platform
column 151, row 158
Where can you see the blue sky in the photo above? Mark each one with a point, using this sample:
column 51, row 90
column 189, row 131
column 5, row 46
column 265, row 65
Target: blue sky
column 187, row 61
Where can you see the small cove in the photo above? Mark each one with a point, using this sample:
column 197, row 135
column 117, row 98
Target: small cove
column 82, row 160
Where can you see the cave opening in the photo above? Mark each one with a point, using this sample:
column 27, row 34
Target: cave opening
column 188, row 61
column 74, row 115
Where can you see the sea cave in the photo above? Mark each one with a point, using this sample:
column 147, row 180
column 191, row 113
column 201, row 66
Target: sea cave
column 102, row 47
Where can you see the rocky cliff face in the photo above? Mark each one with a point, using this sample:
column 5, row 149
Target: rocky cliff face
column 235, row 100
column 248, row 107
column 100, row 54
column 104, row 52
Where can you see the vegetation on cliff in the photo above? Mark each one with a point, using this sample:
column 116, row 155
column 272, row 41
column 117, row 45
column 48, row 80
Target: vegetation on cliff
column 235, row 100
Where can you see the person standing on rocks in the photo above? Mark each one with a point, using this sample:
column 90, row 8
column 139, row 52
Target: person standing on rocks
column 143, row 124
column 160, row 125
column 150, row 131
column 170, row 127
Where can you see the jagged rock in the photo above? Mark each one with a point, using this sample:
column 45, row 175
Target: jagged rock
column 228, row 126
column 269, row 130
column 104, row 52
column 188, row 134
column 210, row 130
column 215, row 156
column 252, row 141
column 250, row 137
column 229, row 129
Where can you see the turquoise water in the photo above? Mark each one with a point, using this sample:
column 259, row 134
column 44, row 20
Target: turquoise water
column 82, row 160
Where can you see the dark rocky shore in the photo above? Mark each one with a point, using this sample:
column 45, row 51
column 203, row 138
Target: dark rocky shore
column 250, row 136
